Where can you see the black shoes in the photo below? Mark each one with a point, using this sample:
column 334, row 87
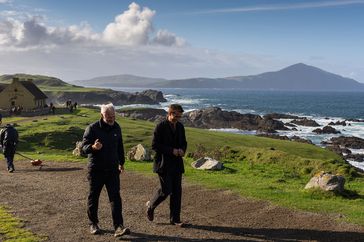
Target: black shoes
column 150, row 211
column 94, row 229
column 120, row 231
column 11, row 169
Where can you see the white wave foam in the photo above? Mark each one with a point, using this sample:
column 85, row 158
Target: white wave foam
column 359, row 165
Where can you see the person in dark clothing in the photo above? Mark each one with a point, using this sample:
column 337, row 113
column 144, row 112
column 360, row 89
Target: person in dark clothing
column 8, row 141
column 103, row 143
column 169, row 143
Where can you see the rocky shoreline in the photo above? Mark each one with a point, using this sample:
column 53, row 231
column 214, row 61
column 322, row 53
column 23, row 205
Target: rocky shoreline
column 116, row 97
column 268, row 126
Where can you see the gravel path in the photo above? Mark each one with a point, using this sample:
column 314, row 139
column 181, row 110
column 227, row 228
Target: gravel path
column 52, row 202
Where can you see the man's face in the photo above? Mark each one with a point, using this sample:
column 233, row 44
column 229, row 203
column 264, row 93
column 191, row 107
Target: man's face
column 174, row 116
column 108, row 117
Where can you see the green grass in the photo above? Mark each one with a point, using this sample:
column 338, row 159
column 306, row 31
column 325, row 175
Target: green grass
column 255, row 167
column 11, row 229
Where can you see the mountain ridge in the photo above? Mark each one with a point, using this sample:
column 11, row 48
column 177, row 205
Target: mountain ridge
column 297, row 77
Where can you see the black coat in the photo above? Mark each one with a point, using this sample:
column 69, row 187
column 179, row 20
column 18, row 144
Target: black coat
column 165, row 139
column 111, row 154
column 9, row 139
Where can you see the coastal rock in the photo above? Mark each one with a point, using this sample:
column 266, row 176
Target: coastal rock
column 326, row 130
column 150, row 114
column 207, row 163
column 215, row 117
column 338, row 150
column 348, row 142
column 327, row 182
column 116, row 97
column 281, row 116
column 355, row 157
column 301, row 140
column 305, row 122
column 153, row 94
column 284, row 137
column 343, row 123
column 139, row 153
column 269, row 125
column 355, row 120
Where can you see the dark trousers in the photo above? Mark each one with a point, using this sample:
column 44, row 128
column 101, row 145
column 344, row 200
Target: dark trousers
column 9, row 152
column 171, row 184
column 97, row 179
column 10, row 160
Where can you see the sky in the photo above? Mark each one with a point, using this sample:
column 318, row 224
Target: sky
column 83, row 39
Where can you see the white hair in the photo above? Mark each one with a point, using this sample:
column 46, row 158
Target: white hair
column 106, row 107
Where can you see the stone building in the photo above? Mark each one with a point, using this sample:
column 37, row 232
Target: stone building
column 24, row 94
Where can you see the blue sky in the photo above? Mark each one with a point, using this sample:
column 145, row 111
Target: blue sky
column 82, row 39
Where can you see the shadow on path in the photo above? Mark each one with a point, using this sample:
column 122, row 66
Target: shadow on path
column 248, row 234
column 45, row 168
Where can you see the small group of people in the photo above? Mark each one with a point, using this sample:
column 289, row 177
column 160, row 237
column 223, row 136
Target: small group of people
column 8, row 142
column 71, row 106
column 103, row 143
column 15, row 110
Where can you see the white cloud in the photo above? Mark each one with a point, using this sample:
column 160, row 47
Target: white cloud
column 131, row 27
column 134, row 27
column 33, row 33
column 164, row 37
column 4, row 1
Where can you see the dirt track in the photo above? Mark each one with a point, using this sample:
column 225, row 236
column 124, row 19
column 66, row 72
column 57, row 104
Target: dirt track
column 52, row 201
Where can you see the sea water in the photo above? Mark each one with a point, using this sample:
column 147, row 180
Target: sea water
column 323, row 107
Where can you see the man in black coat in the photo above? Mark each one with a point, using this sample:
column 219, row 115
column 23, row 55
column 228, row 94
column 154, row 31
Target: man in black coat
column 169, row 143
column 103, row 143
column 8, row 141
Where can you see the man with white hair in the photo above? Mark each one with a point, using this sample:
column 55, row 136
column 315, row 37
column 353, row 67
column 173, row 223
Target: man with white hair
column 103, row 143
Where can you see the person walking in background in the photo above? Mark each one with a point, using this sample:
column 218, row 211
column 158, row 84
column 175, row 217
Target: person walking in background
column 169, row 143
column 8, row 141
column 103, row 143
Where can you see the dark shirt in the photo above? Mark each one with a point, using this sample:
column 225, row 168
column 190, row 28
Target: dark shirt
column 111, row 155
column 8, row 136
column 165, row 139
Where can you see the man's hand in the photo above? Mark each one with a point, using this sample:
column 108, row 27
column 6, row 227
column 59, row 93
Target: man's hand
column 181, row 152
column 176, row 152
column 121, row 168
column 97, row 145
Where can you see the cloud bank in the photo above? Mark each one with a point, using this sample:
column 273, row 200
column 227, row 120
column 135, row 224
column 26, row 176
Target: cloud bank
column 133, row 27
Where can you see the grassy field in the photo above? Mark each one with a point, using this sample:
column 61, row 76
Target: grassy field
column 11, row 229
column 255, row 167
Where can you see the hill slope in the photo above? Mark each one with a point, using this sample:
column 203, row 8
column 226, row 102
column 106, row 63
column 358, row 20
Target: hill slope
column 298, row 77
column 39, row 80
column 121, row 81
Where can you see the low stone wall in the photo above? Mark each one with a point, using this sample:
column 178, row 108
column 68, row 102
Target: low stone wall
column 37, row 112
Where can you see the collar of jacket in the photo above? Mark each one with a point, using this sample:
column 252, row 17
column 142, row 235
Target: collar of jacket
column 104, row 125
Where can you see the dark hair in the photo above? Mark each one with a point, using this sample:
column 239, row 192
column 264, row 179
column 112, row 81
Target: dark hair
column 1, row 117
column 175, row 107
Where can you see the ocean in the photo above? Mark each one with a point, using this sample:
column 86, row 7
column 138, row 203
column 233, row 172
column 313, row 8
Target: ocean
column 323, row 107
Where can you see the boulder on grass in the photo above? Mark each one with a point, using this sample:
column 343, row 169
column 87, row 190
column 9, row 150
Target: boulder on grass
column 139, row 153
column 327, row 182
column 207, row 163
column 78, row 150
